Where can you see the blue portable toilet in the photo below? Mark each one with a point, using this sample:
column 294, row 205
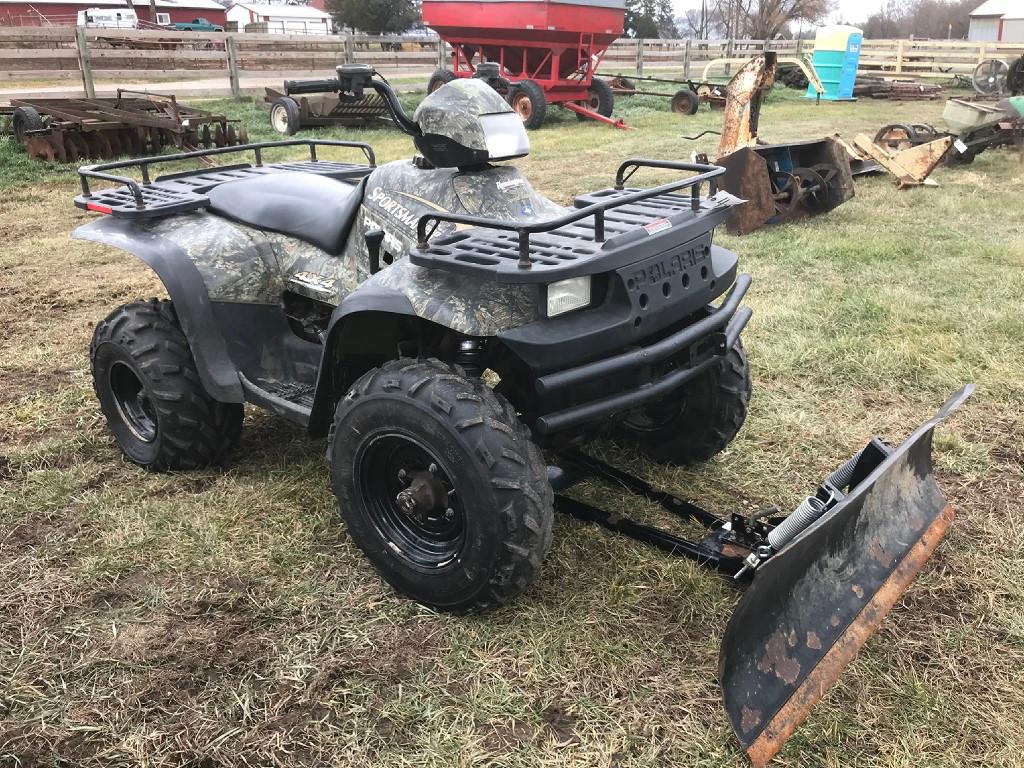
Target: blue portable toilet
column 836, row 57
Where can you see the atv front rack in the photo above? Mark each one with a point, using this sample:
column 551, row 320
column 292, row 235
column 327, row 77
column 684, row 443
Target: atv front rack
column 186, row 191
column 609, row 224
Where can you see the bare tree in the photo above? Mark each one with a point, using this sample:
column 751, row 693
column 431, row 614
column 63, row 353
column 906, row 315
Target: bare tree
column 760, row 19
column 921, row 18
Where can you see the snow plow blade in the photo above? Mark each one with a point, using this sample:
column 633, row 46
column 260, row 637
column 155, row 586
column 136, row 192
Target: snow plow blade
column 813, row 605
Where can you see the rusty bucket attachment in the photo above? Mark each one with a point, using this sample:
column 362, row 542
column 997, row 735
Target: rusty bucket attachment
column 782, row 182
column 812, row 605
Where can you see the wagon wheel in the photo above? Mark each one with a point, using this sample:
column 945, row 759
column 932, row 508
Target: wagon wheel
column 205, row 135
column 786, row 192
column 989, row 78
column 896, row 137
column 925, row 132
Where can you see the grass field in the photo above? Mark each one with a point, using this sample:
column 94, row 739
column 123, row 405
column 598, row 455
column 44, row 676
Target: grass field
column 223, row 618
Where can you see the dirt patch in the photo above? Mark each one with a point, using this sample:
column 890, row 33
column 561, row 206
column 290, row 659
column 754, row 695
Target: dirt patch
column 35, row 533
column 18, row 384
column 559, row 725
column 505, row 735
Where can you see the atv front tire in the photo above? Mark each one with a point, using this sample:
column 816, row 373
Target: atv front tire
column 440, row 485
column 151, row 394
column 699, row 420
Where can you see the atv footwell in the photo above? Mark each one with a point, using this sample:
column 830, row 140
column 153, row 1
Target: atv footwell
column 815, row 598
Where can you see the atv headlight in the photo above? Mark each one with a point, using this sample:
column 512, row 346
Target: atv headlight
column 504, row 135
column 567, row 295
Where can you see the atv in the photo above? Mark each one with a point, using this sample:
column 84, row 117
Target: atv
column 442, row 324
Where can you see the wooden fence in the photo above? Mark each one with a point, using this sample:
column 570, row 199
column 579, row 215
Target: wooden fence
column 54, row 53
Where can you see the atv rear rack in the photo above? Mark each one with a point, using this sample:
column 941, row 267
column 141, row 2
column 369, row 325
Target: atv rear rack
column 567, row 246
column 186, row 191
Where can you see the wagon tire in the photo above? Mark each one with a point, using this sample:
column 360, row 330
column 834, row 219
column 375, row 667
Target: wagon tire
column 440, row 485
column 151, row 394
column 528, row 100
column 439, row 78
column 602, row 99
column 685, row 102
column 285, row 118
column 23, row 120
column 699, row 420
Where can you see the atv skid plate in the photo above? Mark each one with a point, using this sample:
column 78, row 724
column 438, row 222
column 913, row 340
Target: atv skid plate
column 811, row 605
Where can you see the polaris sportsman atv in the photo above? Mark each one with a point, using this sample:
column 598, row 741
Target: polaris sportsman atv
column 441, row 322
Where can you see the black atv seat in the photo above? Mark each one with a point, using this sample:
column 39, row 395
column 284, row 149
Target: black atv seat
column 313, row 208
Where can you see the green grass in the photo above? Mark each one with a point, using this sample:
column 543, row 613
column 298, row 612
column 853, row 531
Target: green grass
column 225, row 618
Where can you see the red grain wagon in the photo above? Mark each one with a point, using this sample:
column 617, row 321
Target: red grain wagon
column 534, row 51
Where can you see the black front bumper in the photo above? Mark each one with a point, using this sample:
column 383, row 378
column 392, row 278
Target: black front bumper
column 681, row 355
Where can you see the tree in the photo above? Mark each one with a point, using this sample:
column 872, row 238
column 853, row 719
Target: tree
column 374, row 16
column 650, row 19
column 756, row 19
column 921, row 18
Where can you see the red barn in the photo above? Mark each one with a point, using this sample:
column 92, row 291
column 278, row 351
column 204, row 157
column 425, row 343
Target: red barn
column 39, row 13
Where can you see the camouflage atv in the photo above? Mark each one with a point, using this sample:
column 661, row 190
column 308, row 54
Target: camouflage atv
column 441, row 323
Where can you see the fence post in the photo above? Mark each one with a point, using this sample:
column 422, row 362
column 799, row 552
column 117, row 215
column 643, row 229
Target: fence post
column 729, row 44
column 639, row 56
column 349, row 49
column 84, row 63
column 982, row 52
column 686, row 59
column 236, row 86
column 442, row 54
column 799, row 47
column 899, row 57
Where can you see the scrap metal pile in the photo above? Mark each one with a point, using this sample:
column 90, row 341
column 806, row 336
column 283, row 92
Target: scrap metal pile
column 897, row 90
column 68, row 130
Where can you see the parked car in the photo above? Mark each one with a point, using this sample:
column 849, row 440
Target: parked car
column 198, row 25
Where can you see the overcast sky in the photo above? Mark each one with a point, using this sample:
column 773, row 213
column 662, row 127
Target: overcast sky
column 846, row 10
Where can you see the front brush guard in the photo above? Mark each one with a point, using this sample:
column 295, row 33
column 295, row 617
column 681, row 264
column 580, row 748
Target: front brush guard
column 814, row 603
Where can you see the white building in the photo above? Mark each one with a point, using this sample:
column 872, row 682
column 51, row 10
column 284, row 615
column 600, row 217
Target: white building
column 998, row 21
column 282, row 19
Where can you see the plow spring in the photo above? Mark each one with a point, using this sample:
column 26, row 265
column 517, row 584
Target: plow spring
column 821, row 579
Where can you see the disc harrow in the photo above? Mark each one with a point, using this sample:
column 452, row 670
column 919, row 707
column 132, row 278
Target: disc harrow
column 73, row 130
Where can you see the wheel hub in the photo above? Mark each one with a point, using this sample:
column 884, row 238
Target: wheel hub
column 426, row 496
column 133, row 404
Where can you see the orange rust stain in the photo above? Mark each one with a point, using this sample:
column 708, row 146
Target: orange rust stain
column 751, row 718
column 845, row 649
column 775, row 658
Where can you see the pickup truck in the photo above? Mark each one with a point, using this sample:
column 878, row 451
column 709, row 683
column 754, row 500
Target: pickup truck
column 198, row 25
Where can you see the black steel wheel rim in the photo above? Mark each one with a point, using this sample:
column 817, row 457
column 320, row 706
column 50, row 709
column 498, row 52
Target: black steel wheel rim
column 385, row 465
column 133, row 404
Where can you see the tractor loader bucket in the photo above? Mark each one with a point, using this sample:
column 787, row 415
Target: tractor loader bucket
column 813, row 605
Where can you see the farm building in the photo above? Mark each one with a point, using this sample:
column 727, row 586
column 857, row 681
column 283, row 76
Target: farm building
column 44, row 13
column 281, row 19
column 998, row 21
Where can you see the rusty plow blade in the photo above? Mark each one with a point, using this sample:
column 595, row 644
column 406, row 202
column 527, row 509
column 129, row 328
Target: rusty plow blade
column 814, row 603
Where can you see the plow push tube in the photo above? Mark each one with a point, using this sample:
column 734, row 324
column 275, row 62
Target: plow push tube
column 813, row 605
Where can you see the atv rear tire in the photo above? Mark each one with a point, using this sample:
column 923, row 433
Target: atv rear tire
column 602, row 99
column 439, row 78
column 150, row 392
column 528, row 100
column 699, row 420
column 440, row 485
